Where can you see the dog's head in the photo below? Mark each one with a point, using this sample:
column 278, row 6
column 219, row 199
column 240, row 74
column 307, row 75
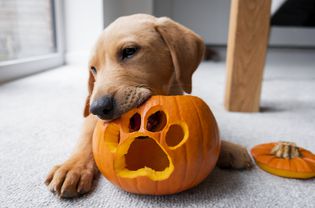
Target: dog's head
column 138, row 56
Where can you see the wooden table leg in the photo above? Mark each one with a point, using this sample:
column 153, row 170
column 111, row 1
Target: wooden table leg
column 247, row 46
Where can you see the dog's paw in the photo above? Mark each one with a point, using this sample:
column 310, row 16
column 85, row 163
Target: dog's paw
column 234, row 156
column 72, row 178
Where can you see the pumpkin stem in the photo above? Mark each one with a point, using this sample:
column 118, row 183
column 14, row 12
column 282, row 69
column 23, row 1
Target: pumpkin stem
column 286, row 150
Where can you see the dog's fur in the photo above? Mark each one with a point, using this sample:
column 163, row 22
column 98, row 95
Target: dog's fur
column 168, row 54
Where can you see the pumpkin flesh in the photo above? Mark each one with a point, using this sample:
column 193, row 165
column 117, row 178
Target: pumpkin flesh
column 142, row 156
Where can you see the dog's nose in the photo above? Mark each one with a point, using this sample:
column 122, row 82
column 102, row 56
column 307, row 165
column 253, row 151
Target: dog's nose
column 102, row 107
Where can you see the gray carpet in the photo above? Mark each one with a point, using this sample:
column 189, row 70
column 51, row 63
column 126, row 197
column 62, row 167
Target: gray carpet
column 40, row 118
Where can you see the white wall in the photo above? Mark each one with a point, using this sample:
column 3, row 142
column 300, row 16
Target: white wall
column 84, row 20
column 83, row 24
column 116, row 8
column 210, row 19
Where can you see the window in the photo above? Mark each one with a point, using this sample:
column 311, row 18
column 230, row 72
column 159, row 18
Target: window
column 30, row 37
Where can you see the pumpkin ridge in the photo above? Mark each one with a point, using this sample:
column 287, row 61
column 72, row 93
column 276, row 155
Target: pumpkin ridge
column 116, row 176
column 203, row 144
column 262, row 150
column 273, row 162
column 110, row 137
column 292, row 166
column 183, row 146
column 310, row 161
column 157, row 184
column 100, row 143
column 304, row 165
column 264, row 158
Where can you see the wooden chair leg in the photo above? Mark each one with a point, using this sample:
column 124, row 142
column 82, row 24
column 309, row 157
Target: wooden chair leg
column 247, row 46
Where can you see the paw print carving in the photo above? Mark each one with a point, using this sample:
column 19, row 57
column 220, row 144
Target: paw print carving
column 142, row 143
column 160, row 144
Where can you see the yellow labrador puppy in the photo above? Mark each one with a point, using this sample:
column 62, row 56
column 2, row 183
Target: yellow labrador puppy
column 135, row 57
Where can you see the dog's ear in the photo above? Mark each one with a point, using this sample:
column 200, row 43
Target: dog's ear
column 186, row 48
column 90, row 90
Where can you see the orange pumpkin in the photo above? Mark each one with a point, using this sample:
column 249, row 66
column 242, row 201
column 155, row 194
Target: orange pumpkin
column 285, row 159
column 167, row 145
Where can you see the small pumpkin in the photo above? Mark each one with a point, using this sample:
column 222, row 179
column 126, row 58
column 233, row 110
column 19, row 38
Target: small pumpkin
column 167, row 145
column 285, row 159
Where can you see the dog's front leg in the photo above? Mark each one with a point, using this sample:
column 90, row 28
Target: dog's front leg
column 234, row 156
column 75, row 176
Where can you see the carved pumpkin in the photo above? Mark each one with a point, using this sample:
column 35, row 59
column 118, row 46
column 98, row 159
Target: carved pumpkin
column 285, row 159
column 167, row 145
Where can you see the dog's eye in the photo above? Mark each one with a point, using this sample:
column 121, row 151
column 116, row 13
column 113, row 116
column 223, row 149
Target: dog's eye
column 128, row 52
column 93, row 69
